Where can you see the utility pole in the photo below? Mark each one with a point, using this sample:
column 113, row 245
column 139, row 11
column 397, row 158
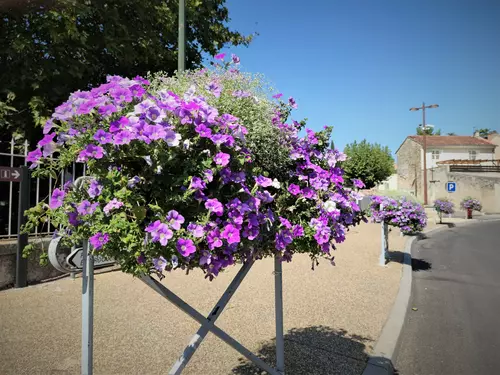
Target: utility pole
column 424, row 128
column 182, row 36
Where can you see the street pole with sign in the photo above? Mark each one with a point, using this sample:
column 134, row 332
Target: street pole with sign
column 424, row 130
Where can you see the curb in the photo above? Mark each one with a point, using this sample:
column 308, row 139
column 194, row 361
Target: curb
column 380, row 361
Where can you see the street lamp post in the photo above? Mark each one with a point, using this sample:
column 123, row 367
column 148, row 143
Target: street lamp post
column 425, row 143
column 182, row 36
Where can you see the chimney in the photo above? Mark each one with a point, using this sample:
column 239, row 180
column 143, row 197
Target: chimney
column 476, row 134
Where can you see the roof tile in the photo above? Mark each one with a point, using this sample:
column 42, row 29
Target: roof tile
column 451, row 140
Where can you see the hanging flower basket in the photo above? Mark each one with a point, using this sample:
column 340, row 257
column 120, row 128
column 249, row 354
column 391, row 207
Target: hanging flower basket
column 408, row 216
column 201, row 170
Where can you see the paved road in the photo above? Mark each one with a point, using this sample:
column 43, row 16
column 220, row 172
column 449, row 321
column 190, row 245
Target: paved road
column 456, row 329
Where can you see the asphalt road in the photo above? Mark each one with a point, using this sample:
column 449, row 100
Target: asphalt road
column 456, row 291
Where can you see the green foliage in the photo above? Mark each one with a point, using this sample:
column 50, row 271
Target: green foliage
column 483, row 133
column 49, row 51
column 428, row 131
column 451, row 133
column 372, row 163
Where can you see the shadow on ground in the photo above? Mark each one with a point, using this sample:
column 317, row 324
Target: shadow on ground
column 416, row 264
column 316, row 350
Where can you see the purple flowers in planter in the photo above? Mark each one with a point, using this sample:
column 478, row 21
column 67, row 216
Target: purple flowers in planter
column 471, row 203
column 409, row 216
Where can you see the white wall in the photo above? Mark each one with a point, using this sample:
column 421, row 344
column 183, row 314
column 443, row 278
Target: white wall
column 390, row 184
column 457, row 153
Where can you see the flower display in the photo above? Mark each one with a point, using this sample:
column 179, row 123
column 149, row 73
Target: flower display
column 408, row 216
column 444, row 206
column 202, row 170
column 471, row 203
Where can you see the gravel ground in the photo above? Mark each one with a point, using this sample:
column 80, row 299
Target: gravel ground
column 333, row 316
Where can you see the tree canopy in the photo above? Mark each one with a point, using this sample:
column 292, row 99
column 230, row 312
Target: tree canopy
column 369, row 162
column 49, row 49
column 484, row 132
column 428, row 131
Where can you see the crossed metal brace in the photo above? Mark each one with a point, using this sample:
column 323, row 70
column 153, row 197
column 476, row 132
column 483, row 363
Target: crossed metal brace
column 208, row 323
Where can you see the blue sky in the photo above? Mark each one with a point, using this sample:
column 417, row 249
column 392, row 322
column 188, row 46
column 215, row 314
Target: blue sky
column 359, row 65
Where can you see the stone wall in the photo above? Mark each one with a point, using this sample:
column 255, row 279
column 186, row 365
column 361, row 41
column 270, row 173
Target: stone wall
column 409, row 167
column 495, row 139
column 482, row 186
column 36, row 272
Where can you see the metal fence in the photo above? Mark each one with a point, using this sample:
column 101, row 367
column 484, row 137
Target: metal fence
column 13, row 154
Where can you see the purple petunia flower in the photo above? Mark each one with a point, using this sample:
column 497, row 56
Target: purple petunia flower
column 197, row 183
column 209, row 175
column 215, row 88
column 175, row 219
column 282, row 239
column 231, row 234
column 185, row 247
column 263, row 181
column 159, row 232
column 220, row 56
column 160, row 263
column 294, row 189
column 57, row 199
column 206, row 258
column 278, row 95
column 34, row 156
column 91, row 151
column 172, row 138
column 214, row 239
column 196, row 230
column 103, row 137
column 107, row 110
column 98, row 240
column 236, row 59
column 86, row 208
column 222, row 159
column 292, row 102
column 213, row 205
column 297, row 230
column 112, row 204
column 94, row 189
column 358, row 183
column 204, row 131
column 73, row 219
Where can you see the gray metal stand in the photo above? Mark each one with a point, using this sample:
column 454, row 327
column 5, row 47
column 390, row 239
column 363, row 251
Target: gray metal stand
column 385, row 243
column 208, row 324
column 87, row 310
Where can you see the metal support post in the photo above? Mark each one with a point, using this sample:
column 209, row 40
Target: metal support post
column 87, row 310
column 384, row 243
column 22, row 239
column 182, row 305
column 211, row 318
column 278, row 296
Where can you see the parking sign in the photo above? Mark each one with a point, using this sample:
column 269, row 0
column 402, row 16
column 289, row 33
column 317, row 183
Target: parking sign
column 451, row 187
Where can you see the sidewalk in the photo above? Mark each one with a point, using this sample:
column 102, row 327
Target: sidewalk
column 333, row 317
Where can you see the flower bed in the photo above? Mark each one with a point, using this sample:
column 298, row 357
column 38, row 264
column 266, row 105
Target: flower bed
column 408, row 216
column 196, row 171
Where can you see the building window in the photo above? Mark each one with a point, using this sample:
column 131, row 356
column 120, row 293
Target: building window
column 435, row 155
column 472, row 154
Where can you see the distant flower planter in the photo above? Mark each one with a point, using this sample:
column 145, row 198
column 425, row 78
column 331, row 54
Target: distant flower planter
column 471, row 204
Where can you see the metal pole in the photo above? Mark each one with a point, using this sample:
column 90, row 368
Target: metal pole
column 425, row 153
column 196, row 340
column 278, row 296
column 22, row 239
column 182, row 35
column 87, row 310
column 384, row 243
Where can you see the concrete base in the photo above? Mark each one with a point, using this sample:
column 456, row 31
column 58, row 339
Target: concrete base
column 36, row 272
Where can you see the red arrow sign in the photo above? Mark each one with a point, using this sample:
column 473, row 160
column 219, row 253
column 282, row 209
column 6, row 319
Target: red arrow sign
column 10, row 174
